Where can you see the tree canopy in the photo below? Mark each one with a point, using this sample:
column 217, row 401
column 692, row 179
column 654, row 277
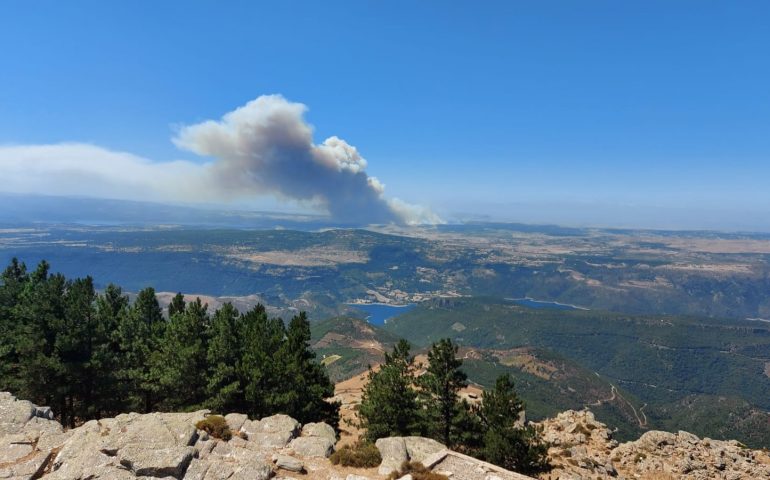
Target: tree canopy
column 90, row 354
column 398, row 402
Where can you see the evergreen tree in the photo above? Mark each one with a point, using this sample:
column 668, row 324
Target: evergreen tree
column 389, row 404
column 224, row 388
column 109, row 395
column 40, row 313
column 507, row 444
column 90, row 355
column 140, row 332
column 306, row 385
column 12, row 283
column 261, row 340
column 440, row 385
column 75, row 341
column 467, row 430
column 177, row 305
column 180, row 366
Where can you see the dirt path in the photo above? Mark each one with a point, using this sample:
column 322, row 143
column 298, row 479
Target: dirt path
column 615, row 395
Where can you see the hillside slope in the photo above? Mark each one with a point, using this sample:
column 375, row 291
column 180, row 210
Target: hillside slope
column 549, row 383
column 704, row 375
column 347, row 346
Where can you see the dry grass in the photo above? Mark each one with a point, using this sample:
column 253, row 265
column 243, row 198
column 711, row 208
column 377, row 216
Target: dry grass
column 360, row 455
column 216, row 426
column 418, row 472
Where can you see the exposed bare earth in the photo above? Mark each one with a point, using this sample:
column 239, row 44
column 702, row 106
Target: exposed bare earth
column 307, row 257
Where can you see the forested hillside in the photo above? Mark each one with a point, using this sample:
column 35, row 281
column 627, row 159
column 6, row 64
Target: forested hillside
column 703, row 375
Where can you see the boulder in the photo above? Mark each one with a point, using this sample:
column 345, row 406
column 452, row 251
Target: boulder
column 419, row 448
column 393, row 453
column 271, row 432
column 21, row 416
column 288, row 462
column 396, row 450
column 252, row 470
column 319, row 429
column 151, row 430
column 279, row 423
column 236, row 420
column 312, row 446
column 157, row 462
column 221, row 468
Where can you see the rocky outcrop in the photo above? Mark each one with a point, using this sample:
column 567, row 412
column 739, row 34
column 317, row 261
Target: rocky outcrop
column 155, row 445
column 457, row 466
column 169, row 446
column 684, row 455
column 28, row 438
column 583, row 448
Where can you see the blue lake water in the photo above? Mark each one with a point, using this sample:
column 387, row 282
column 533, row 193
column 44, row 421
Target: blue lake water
column 540, row 304
column 378, row 314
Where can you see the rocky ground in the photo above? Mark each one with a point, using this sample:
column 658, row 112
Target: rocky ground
column 582, row 449
column 168, row 446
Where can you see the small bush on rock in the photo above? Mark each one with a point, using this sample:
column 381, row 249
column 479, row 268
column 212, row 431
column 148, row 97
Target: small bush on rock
column 216, row 426
column 360, row 455
column 418, row 472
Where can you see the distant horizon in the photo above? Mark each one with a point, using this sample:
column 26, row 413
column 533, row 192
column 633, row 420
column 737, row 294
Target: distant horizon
column 220, row 213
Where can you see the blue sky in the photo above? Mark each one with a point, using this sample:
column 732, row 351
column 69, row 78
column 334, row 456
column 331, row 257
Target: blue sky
column 635, row 113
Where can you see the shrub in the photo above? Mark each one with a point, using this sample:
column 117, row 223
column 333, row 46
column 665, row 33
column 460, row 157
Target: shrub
column 360, row 455
column 216, row 426
column 418, row 471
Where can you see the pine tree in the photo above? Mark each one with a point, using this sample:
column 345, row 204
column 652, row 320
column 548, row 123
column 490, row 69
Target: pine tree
column 261, row 339
column 507, row 444
column 389, row 403
column 12, row 283
column 177, row 305
column 306, row 385
column 40, row 313
column 109, row 396
column 140, row 333
column 440, row 385
column 224, row 389
column 180, row 366
column 467, row 430
column 75, row 341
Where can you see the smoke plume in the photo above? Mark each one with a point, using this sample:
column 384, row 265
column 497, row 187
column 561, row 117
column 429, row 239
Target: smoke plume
column 262, row 148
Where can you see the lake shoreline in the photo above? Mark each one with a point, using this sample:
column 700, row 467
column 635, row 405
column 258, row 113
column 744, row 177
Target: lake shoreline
column 379, row 313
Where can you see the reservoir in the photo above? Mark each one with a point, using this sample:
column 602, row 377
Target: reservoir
column 379, row 313
column 540, row 304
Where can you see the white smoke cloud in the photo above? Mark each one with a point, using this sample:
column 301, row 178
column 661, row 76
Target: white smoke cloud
column 88, row 170
column 262, row 148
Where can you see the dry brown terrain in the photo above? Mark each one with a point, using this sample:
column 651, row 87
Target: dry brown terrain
column 307, row 257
